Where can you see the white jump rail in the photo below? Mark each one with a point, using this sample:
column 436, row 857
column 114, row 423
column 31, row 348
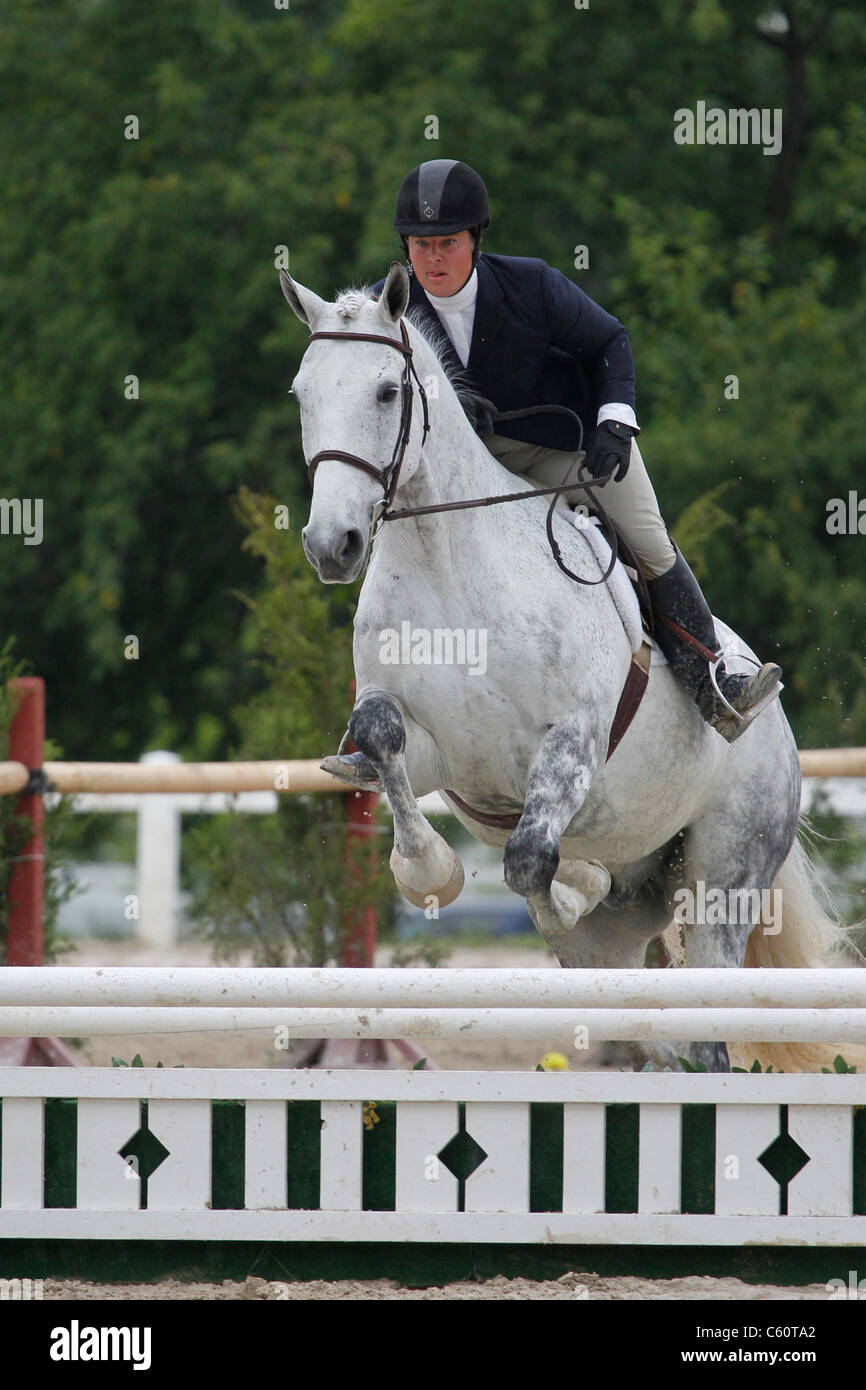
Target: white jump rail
column 301, row 987
column 819, row 1006
column 560, row 1026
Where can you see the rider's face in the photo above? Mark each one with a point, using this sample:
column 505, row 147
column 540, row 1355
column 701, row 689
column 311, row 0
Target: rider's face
column 443, row 264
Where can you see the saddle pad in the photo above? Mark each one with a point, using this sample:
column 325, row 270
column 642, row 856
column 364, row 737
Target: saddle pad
column 620, row 586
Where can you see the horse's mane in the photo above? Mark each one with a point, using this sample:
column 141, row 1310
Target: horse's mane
column 476, row 408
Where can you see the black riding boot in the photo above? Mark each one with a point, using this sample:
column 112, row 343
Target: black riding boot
column 729, row 703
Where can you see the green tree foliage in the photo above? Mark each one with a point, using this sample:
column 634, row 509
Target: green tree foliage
column 261, row 128
column 150, row 258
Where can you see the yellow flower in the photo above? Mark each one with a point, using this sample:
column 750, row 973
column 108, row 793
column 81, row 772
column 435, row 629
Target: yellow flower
column 554, row 1061
column 371, row 1118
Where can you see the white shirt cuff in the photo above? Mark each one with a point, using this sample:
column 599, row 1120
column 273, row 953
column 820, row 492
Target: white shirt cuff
column 617, row 411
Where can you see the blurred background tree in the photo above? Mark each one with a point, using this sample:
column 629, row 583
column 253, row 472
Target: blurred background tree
column 259, row 128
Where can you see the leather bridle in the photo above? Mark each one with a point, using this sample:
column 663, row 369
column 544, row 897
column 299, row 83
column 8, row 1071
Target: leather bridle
column 389, row 476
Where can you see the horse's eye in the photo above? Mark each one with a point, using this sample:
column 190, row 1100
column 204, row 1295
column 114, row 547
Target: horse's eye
column 387, row 394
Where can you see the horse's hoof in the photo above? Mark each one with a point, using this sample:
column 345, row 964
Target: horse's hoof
column 589, row 877
column 419, row 893
column 568, row 905
column 603, row 876
column 354, row 768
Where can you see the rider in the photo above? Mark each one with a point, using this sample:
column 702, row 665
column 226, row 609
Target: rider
column 525, row 335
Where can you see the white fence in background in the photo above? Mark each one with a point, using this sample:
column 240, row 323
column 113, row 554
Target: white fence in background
column 158, row 836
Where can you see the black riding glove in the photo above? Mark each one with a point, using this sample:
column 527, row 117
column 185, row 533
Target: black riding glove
column 609, row 450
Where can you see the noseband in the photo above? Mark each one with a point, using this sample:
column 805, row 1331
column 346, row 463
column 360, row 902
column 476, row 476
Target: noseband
column 390, row 476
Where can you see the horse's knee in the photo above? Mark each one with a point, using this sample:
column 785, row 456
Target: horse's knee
column 530, row 863
column 376, row 727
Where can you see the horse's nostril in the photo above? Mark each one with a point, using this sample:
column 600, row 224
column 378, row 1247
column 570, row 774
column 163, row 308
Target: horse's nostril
column 351, row 548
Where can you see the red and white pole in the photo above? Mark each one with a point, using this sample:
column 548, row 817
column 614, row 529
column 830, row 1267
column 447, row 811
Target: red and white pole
column 25, row 939
column 26, row 883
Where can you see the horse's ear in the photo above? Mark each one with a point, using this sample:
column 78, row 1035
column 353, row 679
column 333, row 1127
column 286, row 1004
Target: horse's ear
column 395, row 294
column 305, row 303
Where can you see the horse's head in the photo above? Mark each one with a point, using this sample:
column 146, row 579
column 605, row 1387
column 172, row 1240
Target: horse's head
column 356, row 399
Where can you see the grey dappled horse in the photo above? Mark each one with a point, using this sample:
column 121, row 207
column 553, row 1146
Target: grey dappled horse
column 602, row 850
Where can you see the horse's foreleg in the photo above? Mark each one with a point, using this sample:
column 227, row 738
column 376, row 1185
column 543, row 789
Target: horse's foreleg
column 558, row 894
column 424, row 866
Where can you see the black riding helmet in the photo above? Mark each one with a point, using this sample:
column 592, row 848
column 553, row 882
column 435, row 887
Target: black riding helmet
column 442, row 196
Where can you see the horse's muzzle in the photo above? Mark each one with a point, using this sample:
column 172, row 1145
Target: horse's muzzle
column 338, row 556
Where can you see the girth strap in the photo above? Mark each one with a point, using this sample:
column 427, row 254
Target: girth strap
column 632, row 693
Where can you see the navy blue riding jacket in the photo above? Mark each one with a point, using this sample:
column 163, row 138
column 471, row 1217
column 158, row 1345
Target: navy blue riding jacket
column 538, row 339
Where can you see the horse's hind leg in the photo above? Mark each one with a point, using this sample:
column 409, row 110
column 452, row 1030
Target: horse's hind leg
column 424, row 866
column 556, row 789
column 637, row 909
column 723, row 890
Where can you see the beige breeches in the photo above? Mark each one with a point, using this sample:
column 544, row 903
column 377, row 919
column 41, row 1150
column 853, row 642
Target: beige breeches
column 631, row 503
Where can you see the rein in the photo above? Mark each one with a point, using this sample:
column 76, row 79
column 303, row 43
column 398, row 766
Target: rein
column 389, row 476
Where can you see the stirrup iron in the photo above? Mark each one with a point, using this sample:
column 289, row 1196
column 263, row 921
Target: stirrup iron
column 741, row 719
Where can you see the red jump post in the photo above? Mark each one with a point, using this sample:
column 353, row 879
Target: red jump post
column 26, row 745
column 25, row 941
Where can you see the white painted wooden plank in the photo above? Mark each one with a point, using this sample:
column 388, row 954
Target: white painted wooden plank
column 265, row 1154
column 341, row 1155
column 544, row 987
column 502, row 1181
column 423, row 1182
column 583, row 1158
column 743, row 1185
column 537, row 1228
column 553, row 1026
column 644, row 1088
column 23, row 1147
column 183, row 1181
column 825, row 1186
column 659, row 1164
column 105, row 1181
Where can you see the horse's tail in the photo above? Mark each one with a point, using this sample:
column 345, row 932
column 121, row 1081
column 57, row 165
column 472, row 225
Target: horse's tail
column 811, row 935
